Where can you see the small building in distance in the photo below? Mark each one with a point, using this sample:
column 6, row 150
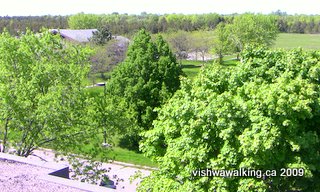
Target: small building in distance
column 76, row 35
column 84, row 35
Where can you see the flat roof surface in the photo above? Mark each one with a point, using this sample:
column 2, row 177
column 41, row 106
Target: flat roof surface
column 20, row 177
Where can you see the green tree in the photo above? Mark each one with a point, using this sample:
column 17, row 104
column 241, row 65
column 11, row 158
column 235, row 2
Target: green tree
column 106, row 57
column 146, row 79
column 84, row 21
column 41, row 99
column 201, row 43
column 101, row 36
column 262, row 114
column 245, row 29
column 180, row 42
column 222, row 43
column 252, row 29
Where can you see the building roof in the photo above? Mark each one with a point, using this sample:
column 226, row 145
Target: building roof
column 23, row 174
column 16, row 176
column 79, row 35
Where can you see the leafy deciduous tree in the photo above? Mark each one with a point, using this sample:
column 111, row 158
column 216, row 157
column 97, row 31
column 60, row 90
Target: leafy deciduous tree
column 222, row 42
column 40, row 90
column 262, row 115
column 106, row 57
column 180, row 42
column 252, row 29
column 202, row 43
column 245, row 29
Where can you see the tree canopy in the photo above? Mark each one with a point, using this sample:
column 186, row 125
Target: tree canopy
column 41, row 96
column 261, row 115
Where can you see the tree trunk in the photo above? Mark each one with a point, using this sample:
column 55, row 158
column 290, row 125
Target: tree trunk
column 220, row 58
column 5, row 136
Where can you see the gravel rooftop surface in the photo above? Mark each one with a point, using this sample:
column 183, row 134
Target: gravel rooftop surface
column 19, row 177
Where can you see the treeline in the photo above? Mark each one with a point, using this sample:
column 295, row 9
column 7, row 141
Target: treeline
column 299, row 24
column 129, row 24
column 124, row 23
column 17, row 24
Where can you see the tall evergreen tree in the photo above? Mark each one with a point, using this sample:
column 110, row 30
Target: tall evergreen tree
column 146, row 79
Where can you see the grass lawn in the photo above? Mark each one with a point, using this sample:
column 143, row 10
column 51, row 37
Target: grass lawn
column 192, row 68
column 117, row 154
column 95, row 90
column 94, row 78
column 293, row 40
column 230, row 62
column 125, row 155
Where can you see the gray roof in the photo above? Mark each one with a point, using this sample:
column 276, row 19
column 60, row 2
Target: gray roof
column 79, row 35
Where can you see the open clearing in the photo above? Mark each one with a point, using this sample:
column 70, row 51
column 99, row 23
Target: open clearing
column 294, row 40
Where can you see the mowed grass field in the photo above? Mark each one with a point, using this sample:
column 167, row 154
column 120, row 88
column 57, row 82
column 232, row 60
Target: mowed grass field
column 293, row 40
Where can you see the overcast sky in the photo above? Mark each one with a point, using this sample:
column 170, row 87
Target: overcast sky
column 68, row 7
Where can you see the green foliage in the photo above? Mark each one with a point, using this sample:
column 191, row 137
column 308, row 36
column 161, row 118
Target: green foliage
column 106, row 57
column 245, row 29
column 222, row 42
column 19, row 24
column 262, row 114
column 128, row 24
column 146, row 79
column 87, row 171
column 41, row 98
column 202, row 43
column 84, row 21
column 181, row 43
column 297, row 23
column 252, row 29
column 109, row 115
column 102, row 36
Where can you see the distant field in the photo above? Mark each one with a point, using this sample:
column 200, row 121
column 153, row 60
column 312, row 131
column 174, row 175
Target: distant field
column 293, row 40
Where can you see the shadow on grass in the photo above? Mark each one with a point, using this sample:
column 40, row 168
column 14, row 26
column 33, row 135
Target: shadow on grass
column 190, row 66
column 130, row 142
column 231, row 62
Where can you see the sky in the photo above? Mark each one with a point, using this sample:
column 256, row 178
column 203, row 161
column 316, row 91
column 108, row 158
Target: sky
column 69, row 7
